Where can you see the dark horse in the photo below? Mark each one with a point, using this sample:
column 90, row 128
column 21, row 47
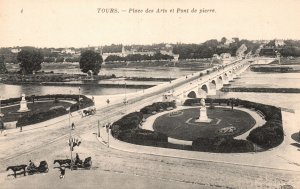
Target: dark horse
column 62, row 162
column 17, row 168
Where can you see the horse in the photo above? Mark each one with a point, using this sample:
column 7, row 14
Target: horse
column 17, row 168
column 62, row 162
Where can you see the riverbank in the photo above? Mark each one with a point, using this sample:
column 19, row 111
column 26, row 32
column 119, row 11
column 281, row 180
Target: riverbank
column 276, row 69
column 261, row 90
column 106, row 85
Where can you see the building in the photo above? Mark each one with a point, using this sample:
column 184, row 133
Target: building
column 279, row 42
column 68, row 51
column 167, row 50
column 15, row 50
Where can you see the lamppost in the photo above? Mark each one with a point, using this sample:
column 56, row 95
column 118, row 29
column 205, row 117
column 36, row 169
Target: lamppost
column 125, row 98
column 78, row 98
column 1, row 115
column 99, row 129
column 79, row 93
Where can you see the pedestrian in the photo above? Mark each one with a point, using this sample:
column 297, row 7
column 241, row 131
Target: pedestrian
column 62, row 173
column 73, row 126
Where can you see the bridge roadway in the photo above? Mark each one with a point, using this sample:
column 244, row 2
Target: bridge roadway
column 114, row 168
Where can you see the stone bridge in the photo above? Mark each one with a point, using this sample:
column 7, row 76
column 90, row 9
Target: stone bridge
column 207, row 82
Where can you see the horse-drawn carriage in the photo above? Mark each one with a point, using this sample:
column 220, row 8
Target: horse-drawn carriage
column 30, row 169
column 90, row 111
column 86, row 164
column 76, row 163
column 42, row 168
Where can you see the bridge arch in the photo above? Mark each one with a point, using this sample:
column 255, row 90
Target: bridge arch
column 225, row 78
column 203, row 91
column 204, row 88
column 192, row 94
column 212, row 87
column 214, row 82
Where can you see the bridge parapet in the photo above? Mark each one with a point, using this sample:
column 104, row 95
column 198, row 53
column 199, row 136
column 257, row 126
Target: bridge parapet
column 216, row 78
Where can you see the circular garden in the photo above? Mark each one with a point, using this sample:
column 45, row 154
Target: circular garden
column 215, row 136
column 224, row 122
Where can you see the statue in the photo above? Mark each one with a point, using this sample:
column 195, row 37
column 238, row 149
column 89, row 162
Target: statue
column 202, row 102
column 203, row 113
column 23, row 105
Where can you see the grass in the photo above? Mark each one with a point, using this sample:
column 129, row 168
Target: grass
column 11, row 114
column 183, row 126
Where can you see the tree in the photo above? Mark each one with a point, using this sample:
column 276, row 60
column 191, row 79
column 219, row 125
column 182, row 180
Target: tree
column 2, row 65
column 223, row 40
column 30, row 60
column 90, row 60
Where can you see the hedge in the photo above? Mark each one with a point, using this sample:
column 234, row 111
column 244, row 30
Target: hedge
column 83, row 103
column 192, row 101
column 32, row 118
column 41, row 97
column 157, row 106
column 127, row 129
column 222, row 145
column 143, row 137
column 269, row 135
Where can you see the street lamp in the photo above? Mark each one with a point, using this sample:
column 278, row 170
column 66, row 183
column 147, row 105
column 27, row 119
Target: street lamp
column 79, row 98
column 79, row 92
column 1, row 115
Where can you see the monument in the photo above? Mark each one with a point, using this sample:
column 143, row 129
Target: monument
column 203, row 113
column 23, row 105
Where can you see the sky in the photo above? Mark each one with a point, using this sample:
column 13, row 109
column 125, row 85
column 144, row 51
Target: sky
column 77, row 23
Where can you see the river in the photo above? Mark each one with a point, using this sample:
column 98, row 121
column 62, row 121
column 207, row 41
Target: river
column 8, row 91
column 266, row 80
column 246, row 79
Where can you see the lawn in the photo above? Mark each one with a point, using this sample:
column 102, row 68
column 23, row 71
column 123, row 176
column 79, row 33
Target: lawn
column 183, row 127
column 11, row 114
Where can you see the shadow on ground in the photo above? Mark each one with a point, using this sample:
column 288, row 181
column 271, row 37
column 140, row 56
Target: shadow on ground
column 296, row 137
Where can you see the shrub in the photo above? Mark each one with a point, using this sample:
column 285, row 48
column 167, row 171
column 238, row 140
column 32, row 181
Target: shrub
column 157, row 106
column 32, row 118
column 127, row 130
column 224, row 144
column 56, row 100
column 269, row 135
column 83, row 103
column 127, row 122
column 143, row 137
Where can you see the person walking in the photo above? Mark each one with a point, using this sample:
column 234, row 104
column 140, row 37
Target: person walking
column 73, row 126
column 62, row 172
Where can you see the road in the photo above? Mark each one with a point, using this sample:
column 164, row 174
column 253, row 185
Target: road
column 114, row 168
